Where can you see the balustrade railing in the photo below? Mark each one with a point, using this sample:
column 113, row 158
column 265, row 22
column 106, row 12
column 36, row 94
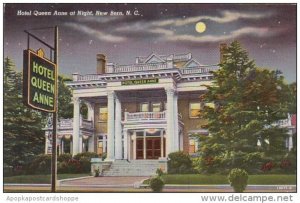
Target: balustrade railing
column 139, row 67
column 197, row 69
column 145, row 67
column 140, row 116
column 68, row 123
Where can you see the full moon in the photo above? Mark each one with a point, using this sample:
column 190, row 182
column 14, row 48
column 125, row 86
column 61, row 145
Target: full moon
column 200, row 27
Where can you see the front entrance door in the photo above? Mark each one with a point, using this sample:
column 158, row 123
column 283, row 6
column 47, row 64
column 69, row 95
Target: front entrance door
column 153, row 148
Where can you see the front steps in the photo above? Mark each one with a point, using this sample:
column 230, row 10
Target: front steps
column 132, row 168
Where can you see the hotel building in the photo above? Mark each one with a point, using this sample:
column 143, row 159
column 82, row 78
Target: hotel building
column 142, row 111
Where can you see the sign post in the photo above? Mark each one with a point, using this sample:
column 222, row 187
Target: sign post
column 54, row 135
column 40, row 90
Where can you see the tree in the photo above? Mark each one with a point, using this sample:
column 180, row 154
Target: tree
column 23, row 136
column 248, row 100
column 65, row 106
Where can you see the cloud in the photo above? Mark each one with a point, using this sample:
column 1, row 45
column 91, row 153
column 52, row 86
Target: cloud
column 99, row 19
column 161, row 28
column 96, row 33
column 226, row 17
column 245, row 31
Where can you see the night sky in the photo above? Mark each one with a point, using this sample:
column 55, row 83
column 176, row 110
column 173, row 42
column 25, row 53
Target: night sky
column 267, row 31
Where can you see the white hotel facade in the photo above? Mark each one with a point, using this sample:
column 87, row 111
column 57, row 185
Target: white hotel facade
column 157, row 97
column 142, row 111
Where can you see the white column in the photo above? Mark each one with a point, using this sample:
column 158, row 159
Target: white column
column 90, row 117
column 81, row 144
column 290, row 140
column 125, row 134
column 118, row 130
column 76, row 126
column 111, row 125
column 176, row 132
column 181, row 140
column 170, row 121
column 104, row 143
column 129, row 146
column 46, row 142
column 71, row 147
column 91, row 147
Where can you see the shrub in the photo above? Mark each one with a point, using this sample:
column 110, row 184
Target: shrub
column 156, row 184
column 64, row 157
column 103, row 156
column 87, row 155
column 159, row 172
column 180, row 162
column 238, row 179
column 41, row 164
column 97, row 172
column 7, row 170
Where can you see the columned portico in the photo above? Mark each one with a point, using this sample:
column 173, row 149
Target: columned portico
column 77, row 144
column 110, row 125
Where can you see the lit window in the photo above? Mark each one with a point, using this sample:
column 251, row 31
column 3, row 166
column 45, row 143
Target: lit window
column 103, row 114
column 192, row 146
column 156, row 107
column 100, row 147
column 195, row 110
column 210, row 105
column 144, row 107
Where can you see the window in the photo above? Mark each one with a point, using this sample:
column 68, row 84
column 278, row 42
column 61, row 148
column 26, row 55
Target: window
column 100, row 147
column 103, row 114
column 144, row 107
column 156, row 107
column 195, row 109
column 192, row 146
column 210, row 105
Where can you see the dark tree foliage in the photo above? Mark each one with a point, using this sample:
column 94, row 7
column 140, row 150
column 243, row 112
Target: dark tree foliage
column 23, row 136
column 248, row 100
column 65, row 106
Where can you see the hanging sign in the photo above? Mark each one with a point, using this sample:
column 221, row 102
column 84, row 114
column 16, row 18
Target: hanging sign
column 39, row 81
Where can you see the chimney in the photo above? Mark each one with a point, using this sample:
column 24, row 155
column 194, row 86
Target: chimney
column 223, row 47
column 101, row 63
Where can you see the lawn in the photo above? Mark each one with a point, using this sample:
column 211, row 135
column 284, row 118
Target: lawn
column 199, row 179
column 39, row 179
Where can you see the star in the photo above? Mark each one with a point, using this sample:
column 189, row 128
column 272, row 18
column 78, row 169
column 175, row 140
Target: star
column 161, row 12
column 261, row 46
column 273, row 51
column 166, row 9
column 183, row 16
column 279, row 22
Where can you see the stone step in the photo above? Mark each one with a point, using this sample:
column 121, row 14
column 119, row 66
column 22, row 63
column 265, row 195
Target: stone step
column 132, row 168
